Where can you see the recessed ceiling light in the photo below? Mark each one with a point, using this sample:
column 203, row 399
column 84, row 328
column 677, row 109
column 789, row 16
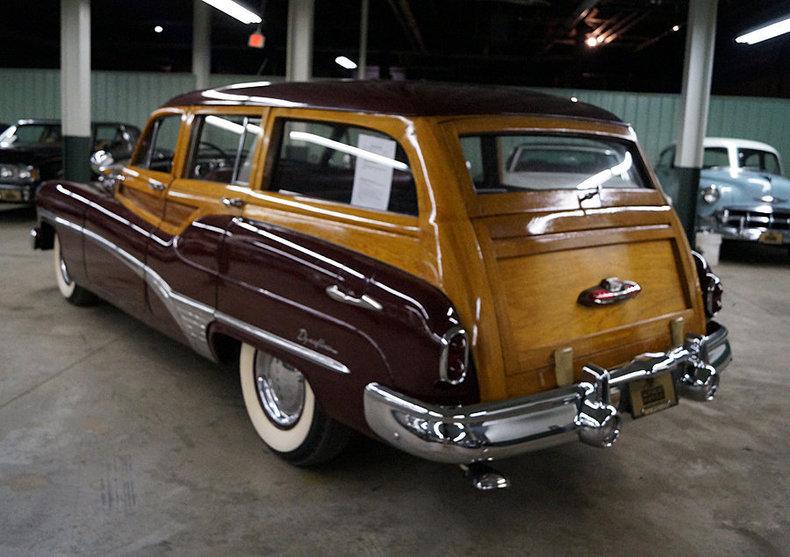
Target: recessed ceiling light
column 676, row 28
column 158, row 29
column 592, row 42
column 346, row 63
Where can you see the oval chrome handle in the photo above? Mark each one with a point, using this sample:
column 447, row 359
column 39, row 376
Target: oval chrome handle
column 156, row 185
column 364, row 301
column 233, row 202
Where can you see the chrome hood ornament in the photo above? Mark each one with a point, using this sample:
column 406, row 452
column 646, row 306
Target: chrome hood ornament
column 611, row 290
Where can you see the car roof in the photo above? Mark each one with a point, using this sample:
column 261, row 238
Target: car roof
column 56, row 122
column 407, row 98
column 728, row 142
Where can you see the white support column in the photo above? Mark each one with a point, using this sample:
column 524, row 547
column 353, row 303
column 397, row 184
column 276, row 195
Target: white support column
column 363, row 40
column 75, row 87
column 695, row 100
column 201, row 43
column 299, row 50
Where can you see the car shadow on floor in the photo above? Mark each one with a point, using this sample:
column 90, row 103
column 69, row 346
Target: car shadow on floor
column 751, row 252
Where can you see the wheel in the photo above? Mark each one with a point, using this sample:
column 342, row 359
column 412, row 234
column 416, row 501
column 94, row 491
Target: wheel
column 282, row 408
column 70, row 290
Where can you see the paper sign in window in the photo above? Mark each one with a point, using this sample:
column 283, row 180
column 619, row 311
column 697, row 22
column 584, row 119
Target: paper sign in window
column 373, row 174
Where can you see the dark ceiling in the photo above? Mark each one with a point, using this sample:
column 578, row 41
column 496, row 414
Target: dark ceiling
column 528, row 42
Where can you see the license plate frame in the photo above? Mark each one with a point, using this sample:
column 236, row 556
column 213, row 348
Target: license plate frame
column 771, row 237
column 10, row 195
column 652, row 394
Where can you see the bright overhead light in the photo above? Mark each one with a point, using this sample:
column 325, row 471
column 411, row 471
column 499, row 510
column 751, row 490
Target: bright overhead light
column 158, row 29
column 234, row 10
column 765, row 33
column 346, row 63
column 676, row 28
column 592, row 42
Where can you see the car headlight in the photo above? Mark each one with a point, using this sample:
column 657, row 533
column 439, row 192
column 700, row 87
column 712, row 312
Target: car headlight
column 18, row 173
column 711, row 194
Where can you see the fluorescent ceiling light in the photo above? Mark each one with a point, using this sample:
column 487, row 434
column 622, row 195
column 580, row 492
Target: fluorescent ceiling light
column 765, row 33
column 234, row 10
column 346, row 63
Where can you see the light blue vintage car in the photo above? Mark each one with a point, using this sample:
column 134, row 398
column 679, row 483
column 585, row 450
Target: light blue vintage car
column 742, row 194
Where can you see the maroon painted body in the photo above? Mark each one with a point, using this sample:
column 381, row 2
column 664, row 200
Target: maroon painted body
column 269, row 279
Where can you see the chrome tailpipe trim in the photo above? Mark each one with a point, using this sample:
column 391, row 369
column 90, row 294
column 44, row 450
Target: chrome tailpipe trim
column 484, row 478
column 587, row 411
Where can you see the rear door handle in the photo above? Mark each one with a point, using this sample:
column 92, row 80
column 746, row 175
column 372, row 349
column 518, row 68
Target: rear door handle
column 233, row 202
column 364, row 301
column 156, row 185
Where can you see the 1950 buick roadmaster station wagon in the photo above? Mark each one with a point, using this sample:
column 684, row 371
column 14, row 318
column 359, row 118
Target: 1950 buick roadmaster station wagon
column 466, row 273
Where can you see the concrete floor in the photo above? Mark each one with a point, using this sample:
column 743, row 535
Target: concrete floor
column 115, row 440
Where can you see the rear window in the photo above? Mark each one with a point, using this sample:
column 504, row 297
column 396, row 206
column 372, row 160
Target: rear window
column 345, row 164
column 506, row 162
column 761, row 161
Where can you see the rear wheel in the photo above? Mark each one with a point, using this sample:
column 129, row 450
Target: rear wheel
column 70, row 290
column 282, row 408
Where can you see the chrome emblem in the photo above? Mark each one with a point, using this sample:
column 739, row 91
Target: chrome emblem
column 611, row 290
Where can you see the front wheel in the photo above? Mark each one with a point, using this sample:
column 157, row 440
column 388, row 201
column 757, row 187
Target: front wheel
column 70, row 290
column 282, row 408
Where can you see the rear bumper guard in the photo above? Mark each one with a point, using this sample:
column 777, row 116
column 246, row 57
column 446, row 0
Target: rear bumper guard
column 589, row 410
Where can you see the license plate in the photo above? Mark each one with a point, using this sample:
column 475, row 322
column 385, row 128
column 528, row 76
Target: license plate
column 652, row 395
column 11, row 195
column 773, row 237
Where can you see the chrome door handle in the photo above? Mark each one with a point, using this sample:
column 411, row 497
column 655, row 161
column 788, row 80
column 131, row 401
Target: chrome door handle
column 364, row 301
column 233, row 202
column 156, row 185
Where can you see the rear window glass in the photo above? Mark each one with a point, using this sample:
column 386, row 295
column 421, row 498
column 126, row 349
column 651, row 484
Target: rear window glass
column 755, row 159
column 504, row 163
column 345, row 164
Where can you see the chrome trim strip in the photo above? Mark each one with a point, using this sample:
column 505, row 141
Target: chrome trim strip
column 192, row 316
column 285, row 344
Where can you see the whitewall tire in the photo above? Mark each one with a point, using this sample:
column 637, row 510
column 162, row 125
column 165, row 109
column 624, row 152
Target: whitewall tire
column 282, row 407
column 69, row 289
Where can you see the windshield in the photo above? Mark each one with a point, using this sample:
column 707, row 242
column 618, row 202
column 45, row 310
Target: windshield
column 31, row 134
column 513, row 162
column 761, row 161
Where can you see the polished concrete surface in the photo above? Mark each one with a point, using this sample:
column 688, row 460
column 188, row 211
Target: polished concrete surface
column 115, row 440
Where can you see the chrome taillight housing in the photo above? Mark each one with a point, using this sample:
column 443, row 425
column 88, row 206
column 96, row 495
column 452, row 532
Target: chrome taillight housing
column 454, row 359
column 710, row 284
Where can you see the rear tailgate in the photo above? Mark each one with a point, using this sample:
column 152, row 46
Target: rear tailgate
column 538, row 264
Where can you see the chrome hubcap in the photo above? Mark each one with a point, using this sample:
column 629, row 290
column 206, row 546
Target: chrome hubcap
column 64, row 272
column 280, row 389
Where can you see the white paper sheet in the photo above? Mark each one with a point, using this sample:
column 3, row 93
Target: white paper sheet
column 373, row 180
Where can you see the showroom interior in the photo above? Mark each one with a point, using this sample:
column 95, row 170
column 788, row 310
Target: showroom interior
column 132, row 433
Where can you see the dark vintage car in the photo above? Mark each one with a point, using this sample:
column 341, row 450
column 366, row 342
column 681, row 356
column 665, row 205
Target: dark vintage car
column 366, row 256
column 31, row 152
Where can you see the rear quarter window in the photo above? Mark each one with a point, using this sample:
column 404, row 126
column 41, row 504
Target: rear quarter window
column 345, row 164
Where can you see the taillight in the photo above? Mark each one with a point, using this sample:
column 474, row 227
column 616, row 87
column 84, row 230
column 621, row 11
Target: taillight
column 454, row 360
column 710, row 284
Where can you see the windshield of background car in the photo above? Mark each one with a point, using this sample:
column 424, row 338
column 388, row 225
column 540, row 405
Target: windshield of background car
column 755, row 159
column 500, row 163
column 31, row 134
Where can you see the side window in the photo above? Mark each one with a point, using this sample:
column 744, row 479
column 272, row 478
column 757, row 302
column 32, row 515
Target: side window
column 159, row 145
column 223, row 148
column 667, row 158
column 345, row 164
column 715, row 156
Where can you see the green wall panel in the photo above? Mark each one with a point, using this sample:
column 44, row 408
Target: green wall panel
column 131, row 96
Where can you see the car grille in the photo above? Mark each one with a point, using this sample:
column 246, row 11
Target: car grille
column 751, row 219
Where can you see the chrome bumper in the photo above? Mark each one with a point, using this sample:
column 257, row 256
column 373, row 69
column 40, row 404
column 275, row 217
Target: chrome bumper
column 492, row 431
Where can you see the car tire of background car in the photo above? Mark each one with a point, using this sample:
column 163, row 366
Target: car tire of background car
column 70, row 290
column 283, row 410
